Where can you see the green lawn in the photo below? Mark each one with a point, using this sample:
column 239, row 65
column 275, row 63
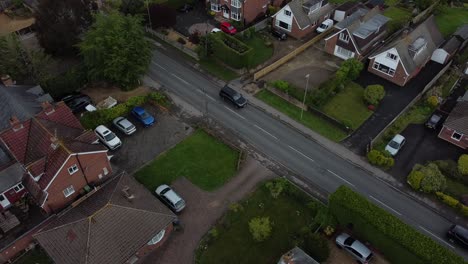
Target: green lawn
column 455, row 188
column 261, row 51
column 234, row 243
column 204, row 160
column 450, row 19
column 398, row 17
column 348, row 106
column 35, row 256
column 310, row 120
column 212, row 66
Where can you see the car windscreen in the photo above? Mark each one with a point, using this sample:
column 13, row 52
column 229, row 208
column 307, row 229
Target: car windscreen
column 230, row 28
column 165, row 190
column 394, row 144
column 179, row 204
column 144, row 115
column 369, row 257
column 109, row 136
column 349, row 241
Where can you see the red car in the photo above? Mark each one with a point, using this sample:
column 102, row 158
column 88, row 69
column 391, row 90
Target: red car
column 226, row 27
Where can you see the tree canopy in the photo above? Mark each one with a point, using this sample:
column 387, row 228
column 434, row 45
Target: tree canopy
column 115, row 49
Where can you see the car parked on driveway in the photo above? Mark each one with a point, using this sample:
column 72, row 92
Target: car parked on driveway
column 227, row 28
column 171, row 198
column 122, row 124
column 328, row 23
column 215, row 30
column 434, row 121
column 233, row 96
column 358, row 250
column 107, row 137
column 459, row 235
column 395, row 144
column 280, row 35
column 143, row 116
column 77, row 102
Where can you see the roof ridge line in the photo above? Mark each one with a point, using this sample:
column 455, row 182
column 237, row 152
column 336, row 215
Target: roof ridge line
column 52, row 135
column 141, row 210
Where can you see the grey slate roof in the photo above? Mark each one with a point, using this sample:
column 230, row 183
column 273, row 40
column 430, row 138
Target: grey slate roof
column 451, row 45
column 458, row 118
column 106, row 227
column 426, row 33
column 21, row 101
column 360, row 12
column 303, row 19
column 10, row 176
column 370, row 26
column 462, row 32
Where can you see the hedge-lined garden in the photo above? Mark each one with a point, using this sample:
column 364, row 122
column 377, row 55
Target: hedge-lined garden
column 398, row 241
column 231, row 51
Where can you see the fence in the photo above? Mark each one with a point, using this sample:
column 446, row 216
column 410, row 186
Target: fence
column 289, row 56
column 415, row 99
column 175, row 44
column 260, row 25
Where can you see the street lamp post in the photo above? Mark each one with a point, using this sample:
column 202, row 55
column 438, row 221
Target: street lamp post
column 149, row 16
column 305, row 94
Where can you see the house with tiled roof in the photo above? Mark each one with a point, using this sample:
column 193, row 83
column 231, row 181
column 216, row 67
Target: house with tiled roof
column 455, row 128
column 60, row 160
column 301, row 17
column 119, row 223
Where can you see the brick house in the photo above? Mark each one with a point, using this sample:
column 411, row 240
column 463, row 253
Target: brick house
column 87, row 232
column 11, row 176
column 357, row 34
column 404, row 58
column 245, row 11
column 455, row 128
column 299, row 18
column 58, row 156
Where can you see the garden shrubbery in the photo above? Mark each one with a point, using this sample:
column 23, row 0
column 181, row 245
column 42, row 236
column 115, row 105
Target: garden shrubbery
column 427, row 178
column 230, row 50
column 381, row 159
column 373, row 94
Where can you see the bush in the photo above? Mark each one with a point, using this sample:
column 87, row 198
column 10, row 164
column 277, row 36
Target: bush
column 400, row 242
column 447, row 199
column 414, row 179
column 463, row 164
column 350, row 69
column 432, row 101
column 381, row 159
column 373, row 94
column 317, row 247
column 230, row 50
column 464, row 210
column 433, row 180
column 277, row 186
column 181, row 41
column 326, row 90
column 260, row 228
column 236, row 207
column 450, row 169
column 324, row 218
column 195, row 37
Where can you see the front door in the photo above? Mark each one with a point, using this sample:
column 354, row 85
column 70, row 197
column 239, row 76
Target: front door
column 225, row 12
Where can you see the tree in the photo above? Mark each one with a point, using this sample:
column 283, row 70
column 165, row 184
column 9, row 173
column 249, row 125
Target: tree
column 382, row 159
column 354, row 68
column 373, row 94
column 59, row 24
column 115, row 49
column 433, row 180
column 432, row 101
column 463, row 164
column 162, row 16
column 260, row 228
column 414, row 179
column 132, row 7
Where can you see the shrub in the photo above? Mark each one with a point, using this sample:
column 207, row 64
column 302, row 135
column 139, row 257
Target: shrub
column 463, row 164
column 260, row 228
column 236, row 207
column 381, row 159
column 158, row 98
column 65, row 83
column 213, row 233
column 447, row 199
column 317, row 247
column 414, row 179
column 277, row 186
column 324, row 218
column 350, row 69
column 400, row 242
column 281, row 85
column 195, row 37
column 464, row 210
column 272, row 9
column 181, row 41
column 450, row 169
column 433, row 179
column 319, row 97
column 432, row 101
column 373, row 94
column 230, row 50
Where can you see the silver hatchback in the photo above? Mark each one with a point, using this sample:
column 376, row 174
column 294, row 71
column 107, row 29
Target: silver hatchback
column 124, row 125
column 358, row 250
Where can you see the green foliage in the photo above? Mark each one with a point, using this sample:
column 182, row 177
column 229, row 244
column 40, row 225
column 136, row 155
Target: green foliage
column 352, row 68
column 66, row 83
column 447, row 199
column 324, row 218
column 433, row 180
column 272, row 9
column 463, row 164
column 397, row 240
column 277, row 186
column 213, row 233
column 320, row 96
column 158, row 98
column 317, row 247
column 281, row 85
column 373, row 94
column 115, row 49
column 236, row 207
column 181, row 41
column 381, row 159
column 230, row 50
column 414, row 179
column 132, row 7
column 432, row 101
column 260, row 228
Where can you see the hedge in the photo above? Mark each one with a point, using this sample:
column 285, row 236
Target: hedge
column 91, row 120
column 398, row 241
column 453, row 202
column 237, row 54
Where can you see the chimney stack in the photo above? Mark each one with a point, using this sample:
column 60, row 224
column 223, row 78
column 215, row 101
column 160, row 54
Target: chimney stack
column 15, row 123
column 47, row 108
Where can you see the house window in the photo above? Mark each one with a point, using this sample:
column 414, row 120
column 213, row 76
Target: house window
column 69, row 191
column 236, row 3
column 215, row 7
column 287, row 12
column 457, row 136
column 235, row 16
column 2, row 198
column 157, row 238
column 392, row 56
column 18, row 187
column 73, row 169
column 283, row 25
column 344, row 52
column 344, row 37
column 383, row 68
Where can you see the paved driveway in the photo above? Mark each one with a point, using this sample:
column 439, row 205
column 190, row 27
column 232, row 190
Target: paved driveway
column 396, row 99
column 203, row 210
column 195, row 20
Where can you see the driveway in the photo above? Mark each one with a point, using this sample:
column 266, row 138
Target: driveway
column 147, row 143
column 195, row 20
column 396, row 99
column 204, row 209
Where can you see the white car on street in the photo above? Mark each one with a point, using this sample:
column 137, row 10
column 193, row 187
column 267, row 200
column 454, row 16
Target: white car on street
column 395, row 144
column 107, row 137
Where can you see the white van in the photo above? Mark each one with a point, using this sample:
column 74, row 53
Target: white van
column 328, row 23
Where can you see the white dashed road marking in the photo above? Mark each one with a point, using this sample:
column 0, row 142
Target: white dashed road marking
column 266, row 132
column 182, row 80
column 340, row 177
column 234, row 112
column 302, row 154
column 427, row 231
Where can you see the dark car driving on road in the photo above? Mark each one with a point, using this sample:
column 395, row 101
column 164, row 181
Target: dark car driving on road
column 227, row 93
column 459, row 235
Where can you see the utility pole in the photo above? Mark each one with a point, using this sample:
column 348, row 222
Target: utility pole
column 149, row 16
column 305, row 94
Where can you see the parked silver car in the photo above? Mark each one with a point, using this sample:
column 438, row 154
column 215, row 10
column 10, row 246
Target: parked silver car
column 122, row 124
column 171, row 198
column 358, row 250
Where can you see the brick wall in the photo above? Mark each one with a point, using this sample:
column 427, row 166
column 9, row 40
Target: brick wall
column 254, row 8
column 398, row 78
column 446, row 134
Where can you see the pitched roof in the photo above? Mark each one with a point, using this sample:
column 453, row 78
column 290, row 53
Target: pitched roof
column 300, row 14
column 458, row 118
column 44, row 142
column 351, row 19
column 462, row 32
column 418, row 45
column 107, row 227
column 451, row 45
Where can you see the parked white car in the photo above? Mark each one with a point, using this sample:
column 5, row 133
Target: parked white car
column 171, row 198
column 214, row 30
column 328, row 23
column 122, row 124
column 107, row 137
column 395, row 144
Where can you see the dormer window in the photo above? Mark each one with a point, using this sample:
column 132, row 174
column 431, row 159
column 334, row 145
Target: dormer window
column 417, row 46
column 392, row 56
column 344, row 37
column 287, row 12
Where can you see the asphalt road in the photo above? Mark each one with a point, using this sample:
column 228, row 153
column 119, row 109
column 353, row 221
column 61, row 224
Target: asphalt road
column 290, row 148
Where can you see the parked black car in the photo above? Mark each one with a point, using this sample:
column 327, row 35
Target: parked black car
column 77, row 102
column 232, row 95
column 185, row 8
column 279, row 34
column 434, row 121
column 459, row 235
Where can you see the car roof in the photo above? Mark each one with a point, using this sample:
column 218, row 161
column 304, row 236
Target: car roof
column 138, row 109
column 229, row 90
column 172, row 196
column 361, row 248
column 461, row 231
column 226, row 24
column 398, row 138
column 102, row 130
column 124, row 122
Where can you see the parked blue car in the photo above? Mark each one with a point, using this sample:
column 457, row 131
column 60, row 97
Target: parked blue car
column 140, row 113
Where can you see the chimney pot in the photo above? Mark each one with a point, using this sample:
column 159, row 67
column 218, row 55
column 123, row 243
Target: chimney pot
column 15, row 123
